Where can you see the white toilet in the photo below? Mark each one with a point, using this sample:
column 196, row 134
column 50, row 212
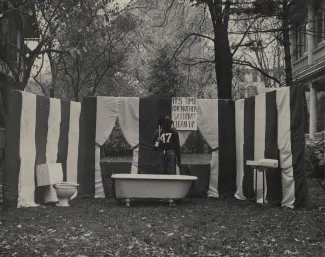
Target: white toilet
column 65, row 191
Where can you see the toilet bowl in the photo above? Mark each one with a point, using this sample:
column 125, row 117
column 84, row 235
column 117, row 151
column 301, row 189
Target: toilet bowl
column 65, row 191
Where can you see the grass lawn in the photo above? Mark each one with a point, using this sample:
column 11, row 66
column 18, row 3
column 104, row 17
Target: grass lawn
column 197, row 227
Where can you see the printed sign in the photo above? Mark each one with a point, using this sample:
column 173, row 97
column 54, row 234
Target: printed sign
column 184, row 113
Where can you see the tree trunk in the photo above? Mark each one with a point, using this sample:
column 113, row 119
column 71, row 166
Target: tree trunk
column 76, row 89
column 223, row 66
column 286, row 43
column 26, row 75
column 54, row 74
column 223, row 56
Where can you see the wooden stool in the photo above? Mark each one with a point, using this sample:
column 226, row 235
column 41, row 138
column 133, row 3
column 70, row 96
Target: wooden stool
column 261, row 166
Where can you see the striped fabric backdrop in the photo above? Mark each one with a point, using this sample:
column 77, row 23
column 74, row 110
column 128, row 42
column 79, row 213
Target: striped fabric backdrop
column 38, row 130
column 222, row 180
column 271, row 126
column 43, row 130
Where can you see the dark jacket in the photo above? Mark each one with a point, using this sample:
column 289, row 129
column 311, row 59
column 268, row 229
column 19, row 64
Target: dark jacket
column 169, row 140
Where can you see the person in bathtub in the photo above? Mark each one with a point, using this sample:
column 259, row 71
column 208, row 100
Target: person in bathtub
column 166, row 141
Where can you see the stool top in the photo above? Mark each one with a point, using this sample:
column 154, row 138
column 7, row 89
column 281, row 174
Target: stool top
column 265, row 163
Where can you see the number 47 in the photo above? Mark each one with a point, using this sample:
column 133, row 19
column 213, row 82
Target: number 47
column 163, row 137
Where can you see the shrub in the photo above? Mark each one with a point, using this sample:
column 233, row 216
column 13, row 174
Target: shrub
column 315, row 156
column 117, row 145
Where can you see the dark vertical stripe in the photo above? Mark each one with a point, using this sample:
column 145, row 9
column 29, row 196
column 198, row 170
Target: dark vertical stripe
column 227, row 147
column 12, row 144
column 64, row 137
column 86, row 154
column 199, row 187
column 147, row 124
column 298, row 145
column 249, row 129
column 164, row 107
column 107, row 170
column 273, row 176
column 41, row 129
column 150, row 109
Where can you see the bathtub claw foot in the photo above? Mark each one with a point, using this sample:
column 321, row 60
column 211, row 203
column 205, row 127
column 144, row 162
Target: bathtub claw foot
column 127, row 202
column 171, row 203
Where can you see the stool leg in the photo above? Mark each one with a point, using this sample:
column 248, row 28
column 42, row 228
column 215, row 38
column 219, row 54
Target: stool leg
column 255, row 185
column 263, row 185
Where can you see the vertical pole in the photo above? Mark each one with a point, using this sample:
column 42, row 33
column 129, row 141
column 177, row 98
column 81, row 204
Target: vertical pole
column 255, row 184
column 313, row 112
column 310, row 34
column 263, row 185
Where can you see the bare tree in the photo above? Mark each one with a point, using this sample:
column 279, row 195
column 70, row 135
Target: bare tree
column 51, row 18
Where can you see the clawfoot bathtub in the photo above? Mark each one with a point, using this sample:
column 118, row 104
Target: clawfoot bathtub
column 150, row 186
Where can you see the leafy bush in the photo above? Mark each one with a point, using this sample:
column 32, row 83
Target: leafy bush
column 315, row 155
column 195, row 143
column 2, row 146
column 117, row 145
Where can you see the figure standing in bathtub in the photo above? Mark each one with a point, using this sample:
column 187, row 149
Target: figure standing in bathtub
column 166, row 141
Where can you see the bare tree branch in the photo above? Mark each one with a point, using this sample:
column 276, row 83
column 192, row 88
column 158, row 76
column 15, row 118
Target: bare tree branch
column 246, row 63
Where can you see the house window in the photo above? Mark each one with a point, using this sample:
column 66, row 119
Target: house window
column 301, row 41
column 320, row 25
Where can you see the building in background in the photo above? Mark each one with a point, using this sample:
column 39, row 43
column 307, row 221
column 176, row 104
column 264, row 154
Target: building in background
column 250, row 82
column 308, row 60
column 15, row 29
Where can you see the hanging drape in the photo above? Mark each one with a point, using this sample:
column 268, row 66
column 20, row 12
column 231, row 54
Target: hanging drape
column 284, row 145
column 239, row 123
column 259, row 144
column 128, row 119
column 26, row 181
column 208, row 125
column 53, row 136
column 105, row 122
column 183, row 135
column 127, row 111
column 73, row 144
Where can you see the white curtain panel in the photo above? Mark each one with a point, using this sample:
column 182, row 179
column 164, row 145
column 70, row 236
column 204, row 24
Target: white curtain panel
column 73, row 144
column 26, row 182
column 208, row 126
column 259, row 144
column 284, row 145
column 105, row 122
column 183, row 135
column 53, row 136
column 99, row 187
column 128, row 119
column 127, row 111
column 239, row 124
column 135, row 159
column 105, row 118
